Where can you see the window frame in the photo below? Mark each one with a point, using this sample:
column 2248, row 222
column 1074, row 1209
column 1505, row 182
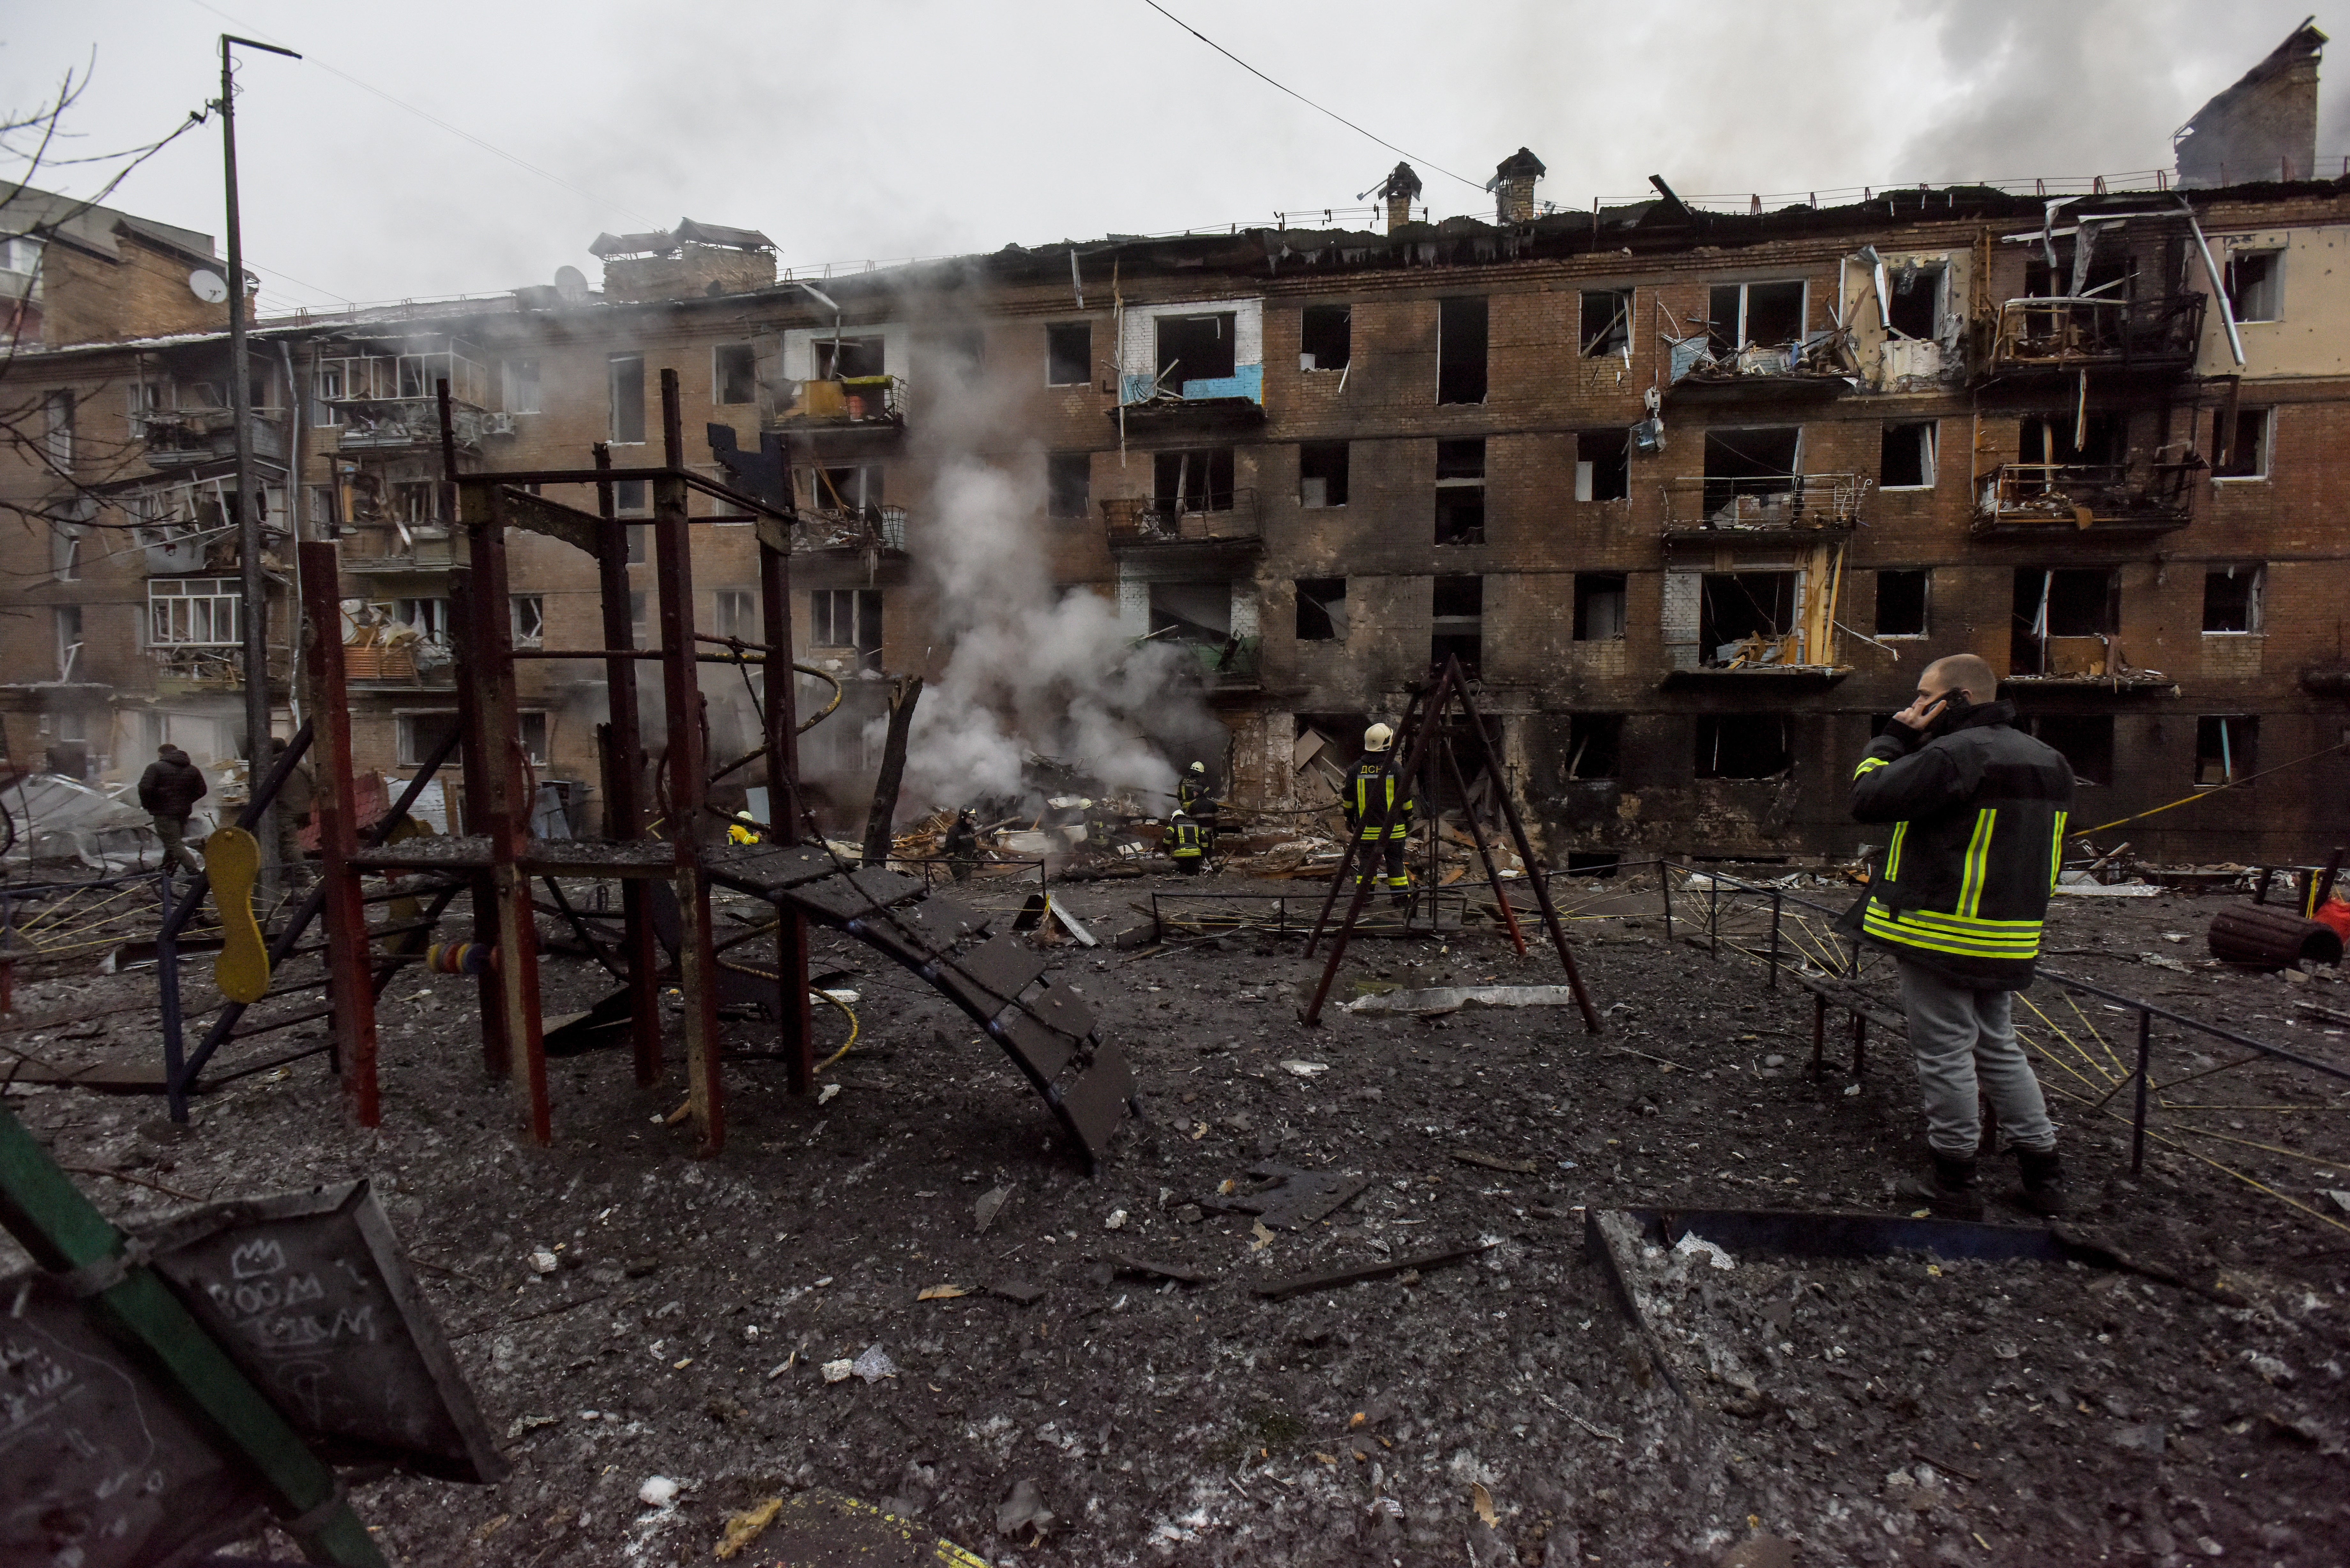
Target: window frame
column 1929, row 433
column 1925, row 604
column 516, row 387
column 1304, row 593
column 1614, row 340
column 615, row 426
column 749, row 355
column 1484, row 376
column 2255, row 597
column 1346, row 314
column 1342, row 473
column 1057, row 361
column 2266, row 424
column 2270, row 289
column 1058, row 465
column 527, row 620
column 228, row 591
column 1591, row 586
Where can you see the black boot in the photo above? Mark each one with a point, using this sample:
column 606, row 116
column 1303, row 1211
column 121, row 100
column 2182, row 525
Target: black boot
column 2043, row 1182
column 1953, row 1194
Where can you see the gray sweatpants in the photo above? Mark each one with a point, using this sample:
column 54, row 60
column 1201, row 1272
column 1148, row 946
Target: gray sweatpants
column 171, row 831
column 1965, row 1038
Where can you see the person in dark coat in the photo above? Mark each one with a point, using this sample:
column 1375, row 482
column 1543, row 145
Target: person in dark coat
column 169, row 790
column 962, row 845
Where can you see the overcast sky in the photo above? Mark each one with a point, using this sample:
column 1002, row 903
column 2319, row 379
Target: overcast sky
column 895, row 128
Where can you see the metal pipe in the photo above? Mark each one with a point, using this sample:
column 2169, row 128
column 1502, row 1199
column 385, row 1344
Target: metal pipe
column 2138, row 1118
column 1774, row 939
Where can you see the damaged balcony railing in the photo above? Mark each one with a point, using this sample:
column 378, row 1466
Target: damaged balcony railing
column 2040, row 495
column 2067, row 332
column 1202, row 517
column 1775, row 503
column 1230, row 665
column 178, row 436
column 855, row 528
column 380, row 400
column 847, row 400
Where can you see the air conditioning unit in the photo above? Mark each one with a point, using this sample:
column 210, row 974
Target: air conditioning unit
column 497, row 424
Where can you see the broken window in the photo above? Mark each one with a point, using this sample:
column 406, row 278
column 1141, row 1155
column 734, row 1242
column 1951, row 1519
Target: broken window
column 1457, row 622
column 1749, row 463
column 626, row 376
column 1743, row 746
column 736, row 614
column 1322, row 473
column 1600, row 606
column 531, row 730
column 202, row 611
column 1906, row 456
column 734, row 373
column 1325, row 338
column 2242, row 452
column 633, row 498
column 1199, row 479
column 2255, row 284
column 519, row 388
column 848, row 359
column 1461, row 492
column 1068, row 484
column 429, row 617
column 1461, row 350
column 1196, row 348
column 1321, row 610
column 65, row 551
column 1735, row 607
column 2224, row 748
column 1607, row 323
column 2085, row 741
column 527, row 619
column 1195, row 615
column 848, row 618
column 1914, row 309
column 1603, row 464
column 418, row 736
column 1901, row 602
column 67, row 624
column 854, row 490
column 2053, row 605
column 1742, row 313
column 1595, row 745
column 2103, row 439
column 638, row 610
column 2231, row 598
column 417, row 502
column 1068, row 353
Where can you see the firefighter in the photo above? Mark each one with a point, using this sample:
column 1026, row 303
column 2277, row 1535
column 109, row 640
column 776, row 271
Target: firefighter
column 1193, row 798
column 1183, row 838
column 1373, row 791
column 962, row 845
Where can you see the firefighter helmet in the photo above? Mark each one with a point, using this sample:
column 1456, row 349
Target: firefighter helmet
column 1378, row 738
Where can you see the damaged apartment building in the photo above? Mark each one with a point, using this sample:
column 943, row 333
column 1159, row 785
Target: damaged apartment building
column 1694, row 492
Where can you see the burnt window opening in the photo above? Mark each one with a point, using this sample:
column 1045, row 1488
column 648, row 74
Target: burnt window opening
column 1906, row 456
column 1198, row 480
column 2085, row 740
column 734, row 373
column 1322, row 473
column 2255, row 284
column 1607, row 323
column 855, row 490
column 1743, row 746
column 2110, row 277
column 1595, row 745
column 1457, row 622
column 2224, row 746
column 1321, row 610
column 848, row 618
column 624, row 374
column 1603, row 466
column 1747, row 463
column 1325, row 338
column 1600, row 606
column 1461, row 492
column 1901, row 602
column 1196, row 348
column 1736, row 606
column 2103, row 438
column 2241, row 452
column 2052, row 606
column 1740, row 314
column 847, row 358
column 2231, row 598
column 1195, row 615
column 963, row 354
column 418, row 735
column 1593, row 862
column 1915, row 304
column 1068, row 353
column 1460, row 343
column 1068, row 484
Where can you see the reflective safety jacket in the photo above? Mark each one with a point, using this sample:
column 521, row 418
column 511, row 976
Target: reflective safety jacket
column 1372, row 790
column 1978, row 838
column 1185, row 837
column 1189, row 793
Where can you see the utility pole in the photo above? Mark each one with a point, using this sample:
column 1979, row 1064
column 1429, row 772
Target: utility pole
column 248, row 505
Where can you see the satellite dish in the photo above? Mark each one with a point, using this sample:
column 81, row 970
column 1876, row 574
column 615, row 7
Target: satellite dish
column 571, row 284
column 208, row 286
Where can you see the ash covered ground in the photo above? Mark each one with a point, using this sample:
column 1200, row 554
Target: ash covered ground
column 1891, row 1411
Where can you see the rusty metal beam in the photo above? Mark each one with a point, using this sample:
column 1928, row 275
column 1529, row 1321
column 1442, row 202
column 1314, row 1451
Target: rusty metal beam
column 624, row 798
column 349, row 990
column 782, row 747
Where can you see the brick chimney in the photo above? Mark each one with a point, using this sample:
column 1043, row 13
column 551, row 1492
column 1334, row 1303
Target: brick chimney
column 691, row 261
column 1513, row 187
column 1399, row 190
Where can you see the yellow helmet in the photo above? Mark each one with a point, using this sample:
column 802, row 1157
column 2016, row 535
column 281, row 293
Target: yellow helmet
column 1378, row 738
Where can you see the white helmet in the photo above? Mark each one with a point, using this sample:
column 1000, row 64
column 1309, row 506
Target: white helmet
column 1378, row 738
column 1199, row 767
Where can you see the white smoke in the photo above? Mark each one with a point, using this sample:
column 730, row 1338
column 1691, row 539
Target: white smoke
column 1033, row 668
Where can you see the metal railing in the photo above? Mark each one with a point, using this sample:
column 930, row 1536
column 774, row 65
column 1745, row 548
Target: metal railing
column 851, row 528
column 2063, row 331
column 2083, row 495
column 1205, row 517
column 1801, row 502
column 851, row 401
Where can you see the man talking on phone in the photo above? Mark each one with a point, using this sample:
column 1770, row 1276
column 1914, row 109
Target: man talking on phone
column 1978, row 810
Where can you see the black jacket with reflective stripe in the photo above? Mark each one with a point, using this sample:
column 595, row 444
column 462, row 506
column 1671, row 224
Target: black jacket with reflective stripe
column 1366, row 800
column 1978, row 821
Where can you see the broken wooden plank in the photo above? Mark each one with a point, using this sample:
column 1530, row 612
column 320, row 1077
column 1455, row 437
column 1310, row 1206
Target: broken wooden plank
column 1146, row 1267
column 1496, row 1162
column 1280, row 1290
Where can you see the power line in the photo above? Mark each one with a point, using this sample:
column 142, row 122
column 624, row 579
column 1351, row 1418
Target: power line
column 518, row 161
column 1300, row 96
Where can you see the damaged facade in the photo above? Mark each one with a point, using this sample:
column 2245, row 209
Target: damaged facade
column 1695, row 495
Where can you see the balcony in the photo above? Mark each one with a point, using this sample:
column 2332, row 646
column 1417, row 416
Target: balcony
column 852, row 530
column 1229, row 516
column 394, row 424
column 875, row 403
column 2060, row 334
column 186, row 670
column 178, row 437
column 390, row 402
column 1821, row 366
column 2046, row 500
column 1229, row 666
column 400, row 547
column 1763, row 508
